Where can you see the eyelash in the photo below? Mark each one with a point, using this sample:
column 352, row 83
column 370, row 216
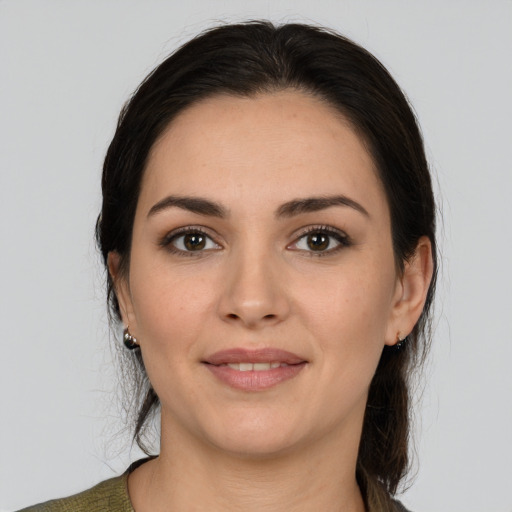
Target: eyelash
column 167, row 241
column 341, row 238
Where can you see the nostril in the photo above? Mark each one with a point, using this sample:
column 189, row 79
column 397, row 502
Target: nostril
column 234, row 316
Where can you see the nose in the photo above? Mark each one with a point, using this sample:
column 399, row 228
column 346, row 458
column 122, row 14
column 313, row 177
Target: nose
column 254, row 292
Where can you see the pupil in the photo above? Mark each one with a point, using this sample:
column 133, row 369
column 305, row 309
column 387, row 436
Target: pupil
column 194, row 242
column 318, row 242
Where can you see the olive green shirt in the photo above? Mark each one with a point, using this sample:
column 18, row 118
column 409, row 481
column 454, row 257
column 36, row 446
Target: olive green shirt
column 110, row 495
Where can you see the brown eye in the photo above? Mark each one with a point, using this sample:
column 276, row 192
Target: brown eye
column 318, row 241
column 189, row 242
column 321, row 241
column 194, row 241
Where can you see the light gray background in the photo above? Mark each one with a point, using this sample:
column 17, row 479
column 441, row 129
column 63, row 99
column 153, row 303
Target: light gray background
column 66, row 69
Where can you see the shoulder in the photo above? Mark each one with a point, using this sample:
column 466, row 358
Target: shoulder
column 110, row 495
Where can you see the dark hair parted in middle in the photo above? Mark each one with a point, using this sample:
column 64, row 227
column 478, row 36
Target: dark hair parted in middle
column 254, row 58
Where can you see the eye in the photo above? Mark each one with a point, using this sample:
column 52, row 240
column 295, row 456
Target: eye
column 321, row 241
column 189, row 241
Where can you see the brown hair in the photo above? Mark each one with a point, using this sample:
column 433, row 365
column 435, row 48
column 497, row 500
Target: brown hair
column 257, row 57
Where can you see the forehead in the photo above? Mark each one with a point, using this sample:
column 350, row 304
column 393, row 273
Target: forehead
column 271, row 145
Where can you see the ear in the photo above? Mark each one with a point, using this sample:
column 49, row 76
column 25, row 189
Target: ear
column 122, row 291
column 411, row 292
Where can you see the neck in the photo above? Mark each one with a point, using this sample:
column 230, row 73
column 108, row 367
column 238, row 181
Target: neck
column 184, row 478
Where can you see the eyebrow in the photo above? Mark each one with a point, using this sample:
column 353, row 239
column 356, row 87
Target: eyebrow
column 314, row 204
column 192, row 204
column 292, row 208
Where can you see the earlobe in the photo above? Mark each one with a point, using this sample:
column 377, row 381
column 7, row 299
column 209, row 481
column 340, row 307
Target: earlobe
column 412, row 292
column 121, row 289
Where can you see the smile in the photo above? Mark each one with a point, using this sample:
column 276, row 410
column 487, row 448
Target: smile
column 254, row 370
column 256, row 367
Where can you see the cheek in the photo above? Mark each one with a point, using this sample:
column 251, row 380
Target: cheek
column 169, row 307
column 171, row 314
column 347, row 315
column 354, row 303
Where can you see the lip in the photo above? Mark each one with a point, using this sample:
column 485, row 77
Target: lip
column 254, row 380
column 263, row 355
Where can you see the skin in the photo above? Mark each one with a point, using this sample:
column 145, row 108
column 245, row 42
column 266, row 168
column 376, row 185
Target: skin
column 257, row 284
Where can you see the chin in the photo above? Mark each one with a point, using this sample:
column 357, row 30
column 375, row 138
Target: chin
column 257, row 437
column 259, row 447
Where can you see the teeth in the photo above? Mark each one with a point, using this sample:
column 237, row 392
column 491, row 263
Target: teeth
column 261, row 366
column 247, row 367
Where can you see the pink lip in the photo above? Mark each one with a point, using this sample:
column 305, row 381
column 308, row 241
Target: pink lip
column 263, row 355
column 253, row 380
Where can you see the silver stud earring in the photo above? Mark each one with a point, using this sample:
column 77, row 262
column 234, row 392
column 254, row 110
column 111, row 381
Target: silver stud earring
column 130, row 342
column 400, row 342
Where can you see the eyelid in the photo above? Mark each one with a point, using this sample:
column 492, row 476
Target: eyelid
column 341, row 237
column 343, row 240
column 167, row 240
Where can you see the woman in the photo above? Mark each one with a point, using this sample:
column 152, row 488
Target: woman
column 268, row 225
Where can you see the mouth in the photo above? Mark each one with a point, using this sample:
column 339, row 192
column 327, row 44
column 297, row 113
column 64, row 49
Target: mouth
column 237, row 356
column 254, row 370
column 254, row 367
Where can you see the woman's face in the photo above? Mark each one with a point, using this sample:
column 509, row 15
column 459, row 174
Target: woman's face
column 262, row 283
